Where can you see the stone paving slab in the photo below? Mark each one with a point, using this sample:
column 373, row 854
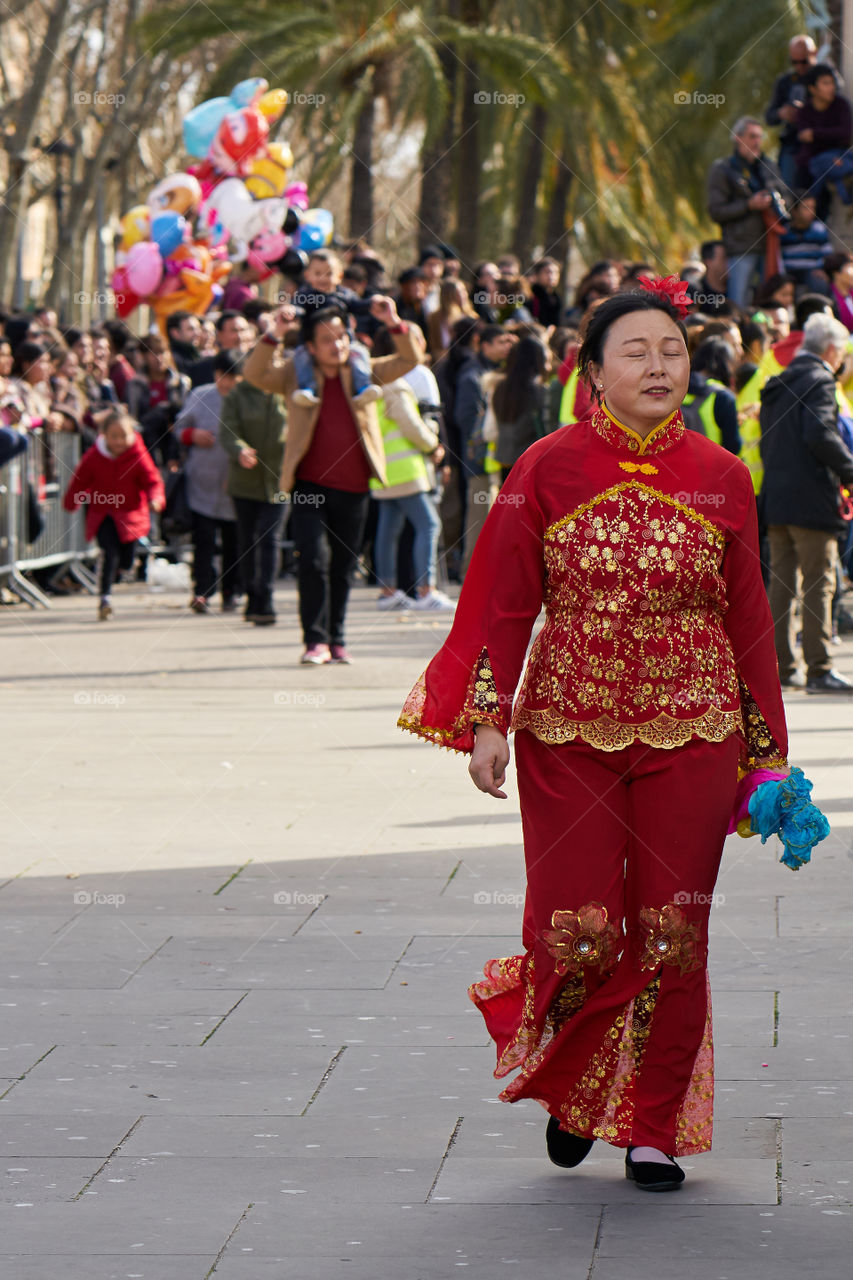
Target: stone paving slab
column 194, row 1081
column 106, row 1267
column 601, row 1179
column 71, row 1133
column 311, row 892
column 433, row 1238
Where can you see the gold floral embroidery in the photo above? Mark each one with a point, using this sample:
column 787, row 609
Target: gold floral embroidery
column 664, row 436
column 482, row 706
column 670, row 939
column 485, row 697
column 582, row 937
column 568, row 1002
column 633, row 648
column 762, row 749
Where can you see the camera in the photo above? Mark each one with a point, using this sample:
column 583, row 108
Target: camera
column 778, row 207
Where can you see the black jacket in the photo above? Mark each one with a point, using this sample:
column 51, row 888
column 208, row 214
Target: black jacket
column 802, row 451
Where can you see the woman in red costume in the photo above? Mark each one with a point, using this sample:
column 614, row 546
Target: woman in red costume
column 651, row 686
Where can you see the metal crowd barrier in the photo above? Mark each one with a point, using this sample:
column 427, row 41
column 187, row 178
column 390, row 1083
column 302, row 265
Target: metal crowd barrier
column 44, row 471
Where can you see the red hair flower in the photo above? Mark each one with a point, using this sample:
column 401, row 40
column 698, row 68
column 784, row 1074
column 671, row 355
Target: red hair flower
column 670, row 288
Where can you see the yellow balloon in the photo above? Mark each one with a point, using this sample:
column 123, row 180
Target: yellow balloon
column 268, row 176
column 135, row 226
column 272, row 104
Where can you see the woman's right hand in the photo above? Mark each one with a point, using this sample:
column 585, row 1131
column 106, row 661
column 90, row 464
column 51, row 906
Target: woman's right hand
column 247, row 457
column 489, row 760
column 205, row 439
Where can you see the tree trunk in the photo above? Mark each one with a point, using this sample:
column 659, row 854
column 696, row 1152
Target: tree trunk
column 361, row 192
column 15, row 201
column 524, row 237
column 469, row 174
column 437, row 160
column 557, row 231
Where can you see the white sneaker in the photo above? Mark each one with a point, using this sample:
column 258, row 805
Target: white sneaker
column 368, row 395
column 306, row 398
column 433, row 600
column 399, row 600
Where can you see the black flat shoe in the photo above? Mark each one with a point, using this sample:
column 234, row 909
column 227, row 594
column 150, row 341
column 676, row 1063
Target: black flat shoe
column 651, row 1176
column 565, row 1149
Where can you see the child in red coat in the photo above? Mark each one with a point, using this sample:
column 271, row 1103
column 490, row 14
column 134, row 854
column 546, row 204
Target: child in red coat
column 117, row 481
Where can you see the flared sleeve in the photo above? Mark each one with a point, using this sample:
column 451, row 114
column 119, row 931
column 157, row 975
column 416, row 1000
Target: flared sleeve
column 473, row 678
column 749, row 627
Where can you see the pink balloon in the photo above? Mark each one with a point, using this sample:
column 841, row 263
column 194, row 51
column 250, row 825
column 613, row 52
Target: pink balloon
column 269, row 245
column 144, row 268
column 297, row 195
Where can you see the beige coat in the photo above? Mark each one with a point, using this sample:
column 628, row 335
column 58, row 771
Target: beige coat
column 264, row 369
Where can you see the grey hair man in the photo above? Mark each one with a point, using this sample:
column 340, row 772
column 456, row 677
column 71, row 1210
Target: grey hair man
column 805, row 462
column 744, row 190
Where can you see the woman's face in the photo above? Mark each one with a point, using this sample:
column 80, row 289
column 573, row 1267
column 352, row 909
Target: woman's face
column 844, row 277
column 784, row 296
column 83, row 350
column 101, row 354
column 39, row 371
column 644, row 369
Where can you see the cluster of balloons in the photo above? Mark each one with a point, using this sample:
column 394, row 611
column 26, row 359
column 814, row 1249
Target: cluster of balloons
column 236, row 204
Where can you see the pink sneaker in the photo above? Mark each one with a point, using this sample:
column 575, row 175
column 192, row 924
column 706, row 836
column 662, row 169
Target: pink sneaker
column 315, row 655
column 339, row 654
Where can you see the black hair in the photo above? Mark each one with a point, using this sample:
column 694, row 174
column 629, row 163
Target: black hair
column 26, row 353
column 596, row 324
column 383, row 343
column 411, row 273
column 176, row 319
column 323, row 315
column 489, row 332
column 254, row 307
column 120, row 335
column 714, row 358
column 821, row 69
column 751, row 331
column 812, row 304
column 708, row 248
column 225, row 317
column 525, row 364
column 227, row 362
column 764, row 297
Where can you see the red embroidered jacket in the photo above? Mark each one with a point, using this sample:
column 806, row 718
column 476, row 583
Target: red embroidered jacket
column 657, row 628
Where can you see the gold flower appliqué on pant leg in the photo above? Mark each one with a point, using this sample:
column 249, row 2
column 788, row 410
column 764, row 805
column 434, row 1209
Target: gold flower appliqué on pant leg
column 669, row 939
column 582, row 937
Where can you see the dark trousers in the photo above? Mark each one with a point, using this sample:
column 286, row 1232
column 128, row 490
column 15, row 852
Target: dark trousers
column 205, row 529
column 117, row 555
column 258, row 525
column 328, row 529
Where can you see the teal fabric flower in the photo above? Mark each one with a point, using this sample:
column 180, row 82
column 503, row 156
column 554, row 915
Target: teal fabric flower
column 784, row 808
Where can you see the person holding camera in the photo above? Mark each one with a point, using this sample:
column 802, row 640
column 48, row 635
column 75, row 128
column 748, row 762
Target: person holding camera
column 747, row 197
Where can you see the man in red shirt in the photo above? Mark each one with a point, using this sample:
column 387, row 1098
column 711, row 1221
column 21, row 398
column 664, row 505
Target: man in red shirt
column 333, row 449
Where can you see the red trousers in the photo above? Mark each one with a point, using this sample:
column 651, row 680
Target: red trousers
column 607, row 1013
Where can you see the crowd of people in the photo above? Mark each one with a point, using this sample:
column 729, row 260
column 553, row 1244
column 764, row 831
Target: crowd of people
column 370, row 422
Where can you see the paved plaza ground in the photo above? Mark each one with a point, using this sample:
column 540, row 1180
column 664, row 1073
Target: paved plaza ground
column 239, row 911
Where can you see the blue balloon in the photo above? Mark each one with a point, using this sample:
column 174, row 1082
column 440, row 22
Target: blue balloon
column 243, row 93
column 167, row 231
column 316, row 232
column 201, row 123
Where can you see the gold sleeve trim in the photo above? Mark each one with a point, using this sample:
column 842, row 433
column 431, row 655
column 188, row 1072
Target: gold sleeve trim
column 482, row 705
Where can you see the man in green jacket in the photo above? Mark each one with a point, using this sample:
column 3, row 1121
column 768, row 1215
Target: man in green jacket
column 253, row 433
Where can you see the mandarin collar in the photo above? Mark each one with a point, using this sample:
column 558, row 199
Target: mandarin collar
column 624, row 440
